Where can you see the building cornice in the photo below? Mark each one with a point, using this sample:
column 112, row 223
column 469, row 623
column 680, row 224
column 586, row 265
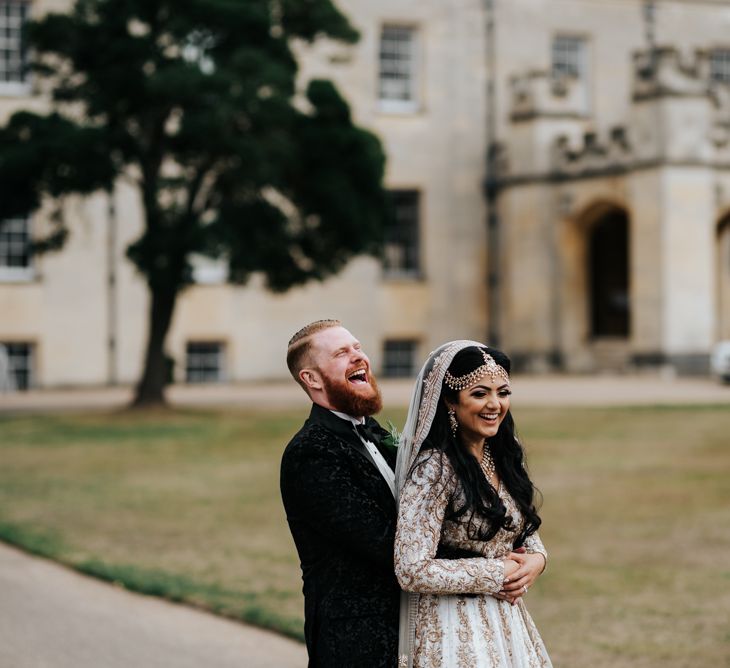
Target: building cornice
column 609, row 171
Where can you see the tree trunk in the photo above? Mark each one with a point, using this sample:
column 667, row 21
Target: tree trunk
column 150, row 390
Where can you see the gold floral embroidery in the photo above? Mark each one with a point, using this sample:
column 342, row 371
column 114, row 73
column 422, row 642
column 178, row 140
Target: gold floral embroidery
column 465, row 649
column 422, row 509
column 451, row 629
column 429, row 641
column 488, row 630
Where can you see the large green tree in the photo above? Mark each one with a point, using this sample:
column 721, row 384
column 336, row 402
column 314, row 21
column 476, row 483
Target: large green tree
column 196, row 101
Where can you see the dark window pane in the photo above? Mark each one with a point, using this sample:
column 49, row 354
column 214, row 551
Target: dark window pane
column 13, row 15
column 720, row 65
column 568, row 56
column 399, row 358
column 15, row 243
column 204, row 362
column 397, row 64
column 402, row 243
column 16, row 366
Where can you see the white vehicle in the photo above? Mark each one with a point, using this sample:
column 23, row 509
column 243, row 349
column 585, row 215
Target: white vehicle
column 720, row 361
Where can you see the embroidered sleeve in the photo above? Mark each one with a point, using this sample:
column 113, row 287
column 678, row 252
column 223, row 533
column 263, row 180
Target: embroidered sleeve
column 456, row 540
column 533, row 545
column 423, row 503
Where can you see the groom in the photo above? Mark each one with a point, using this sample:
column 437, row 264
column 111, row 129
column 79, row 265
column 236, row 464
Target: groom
column 337, row 484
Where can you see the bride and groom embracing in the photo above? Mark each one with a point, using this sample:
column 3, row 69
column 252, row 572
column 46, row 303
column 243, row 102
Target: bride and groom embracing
column 420, row 559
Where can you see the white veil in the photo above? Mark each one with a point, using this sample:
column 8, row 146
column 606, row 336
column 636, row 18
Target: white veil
column 421, row 412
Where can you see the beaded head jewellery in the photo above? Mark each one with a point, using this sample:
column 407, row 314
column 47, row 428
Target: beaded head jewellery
column 489, row 368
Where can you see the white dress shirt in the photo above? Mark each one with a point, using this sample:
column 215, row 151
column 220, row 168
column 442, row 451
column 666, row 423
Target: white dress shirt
column 379, row 460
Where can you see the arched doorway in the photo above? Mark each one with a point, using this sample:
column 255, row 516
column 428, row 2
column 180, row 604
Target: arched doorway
column 723, row 279
column 608, row 275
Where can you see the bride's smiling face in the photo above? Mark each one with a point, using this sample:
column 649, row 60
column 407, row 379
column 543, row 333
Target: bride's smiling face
column 480, row 410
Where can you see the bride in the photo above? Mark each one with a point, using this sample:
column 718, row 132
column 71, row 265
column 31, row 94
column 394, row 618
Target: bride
column 465, row 494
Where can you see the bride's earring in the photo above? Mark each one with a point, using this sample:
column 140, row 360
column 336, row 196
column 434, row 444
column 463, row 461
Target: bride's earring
column 453, row 423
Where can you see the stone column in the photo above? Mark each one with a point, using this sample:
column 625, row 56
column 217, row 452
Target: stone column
column 688, row 272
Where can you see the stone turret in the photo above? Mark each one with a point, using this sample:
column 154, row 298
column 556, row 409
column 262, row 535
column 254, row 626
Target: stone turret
column 543, row 107
column 672, row 107
column 678, row 136
column 572, row 184
column 539, row 94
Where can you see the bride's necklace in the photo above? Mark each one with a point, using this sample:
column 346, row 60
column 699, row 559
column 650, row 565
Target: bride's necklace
column 487, row 463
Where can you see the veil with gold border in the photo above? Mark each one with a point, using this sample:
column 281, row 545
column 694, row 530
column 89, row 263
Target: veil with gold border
column 421, row 412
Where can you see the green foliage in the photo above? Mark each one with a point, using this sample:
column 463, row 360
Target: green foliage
column 207, row 87
column 49, row 155
column 148, row 581
column 193, row 100
column 43, row 543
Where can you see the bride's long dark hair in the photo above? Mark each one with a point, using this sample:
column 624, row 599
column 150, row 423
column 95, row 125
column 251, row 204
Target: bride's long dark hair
column 509, row 459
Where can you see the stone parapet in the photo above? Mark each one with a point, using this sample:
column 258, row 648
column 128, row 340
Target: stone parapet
column 665, row 72
column 539, row 94
column 594, row 154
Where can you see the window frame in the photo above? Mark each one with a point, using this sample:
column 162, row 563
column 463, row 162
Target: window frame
column 713, row 61
column 399, row 370
column 10, row 273
column 408, row 247
column 395, row 105
column 221, row 355
column 581, row 73
column 29, row 367
column 21, row 87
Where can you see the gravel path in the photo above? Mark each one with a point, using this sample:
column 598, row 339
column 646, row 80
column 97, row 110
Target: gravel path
column 52, row 617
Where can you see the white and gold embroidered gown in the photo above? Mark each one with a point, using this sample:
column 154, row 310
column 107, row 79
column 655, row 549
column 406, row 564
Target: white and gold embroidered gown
column 472, row 629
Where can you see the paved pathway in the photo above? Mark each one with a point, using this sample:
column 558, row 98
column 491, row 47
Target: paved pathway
column 52, row 617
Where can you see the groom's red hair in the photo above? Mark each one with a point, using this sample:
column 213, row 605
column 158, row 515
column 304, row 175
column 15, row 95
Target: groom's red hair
column 297, row 351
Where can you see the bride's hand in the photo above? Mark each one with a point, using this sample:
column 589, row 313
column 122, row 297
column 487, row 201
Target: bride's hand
column 520, row 579
column 511, row 567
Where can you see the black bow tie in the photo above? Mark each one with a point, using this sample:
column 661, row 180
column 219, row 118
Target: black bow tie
column 367, row 433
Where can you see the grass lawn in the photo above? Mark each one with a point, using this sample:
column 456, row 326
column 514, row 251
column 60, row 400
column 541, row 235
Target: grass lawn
column 186, row 505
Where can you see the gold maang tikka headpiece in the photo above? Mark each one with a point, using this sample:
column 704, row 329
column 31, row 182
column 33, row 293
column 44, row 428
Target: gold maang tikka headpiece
column 489, row 368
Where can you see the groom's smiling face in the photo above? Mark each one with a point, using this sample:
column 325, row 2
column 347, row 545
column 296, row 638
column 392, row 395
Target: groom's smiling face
column 344, row 368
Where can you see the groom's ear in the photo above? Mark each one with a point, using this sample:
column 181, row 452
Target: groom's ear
column 311, row 379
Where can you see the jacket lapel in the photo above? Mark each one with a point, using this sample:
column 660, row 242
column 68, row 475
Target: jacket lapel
column 344, row 430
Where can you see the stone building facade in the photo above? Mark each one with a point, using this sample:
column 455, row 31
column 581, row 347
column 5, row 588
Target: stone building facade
column 606, row 129
column 613, row 201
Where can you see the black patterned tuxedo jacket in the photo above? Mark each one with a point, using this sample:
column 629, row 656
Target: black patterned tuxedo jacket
column 342, row 516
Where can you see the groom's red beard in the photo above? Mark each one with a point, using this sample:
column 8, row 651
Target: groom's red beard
column 346, row 400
